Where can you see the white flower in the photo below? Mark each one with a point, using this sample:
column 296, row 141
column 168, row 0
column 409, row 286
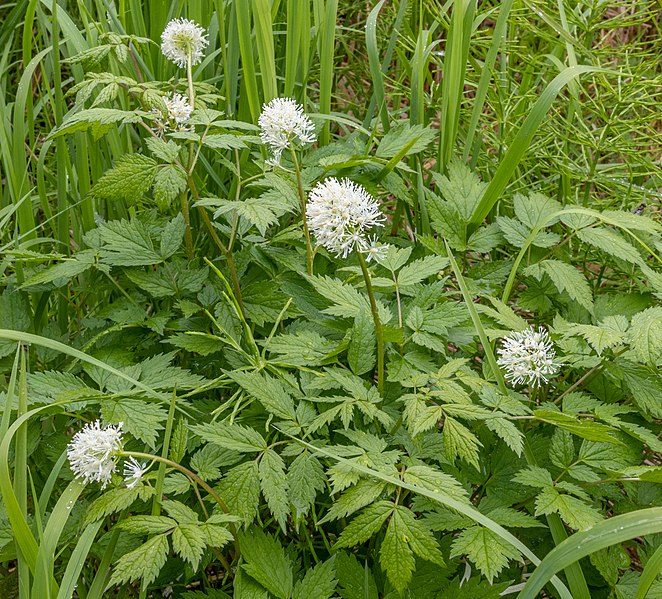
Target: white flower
column 93, row 452
column 283, row 122
column 340, row 214
column 133, row 472
column 179, row 110
column 183, row 39
column 528, row 357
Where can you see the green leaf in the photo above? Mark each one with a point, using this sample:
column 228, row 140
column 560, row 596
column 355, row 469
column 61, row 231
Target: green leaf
column 354, row 580
column 131, row 177
column 348, row 301
column 169, row 182
column 318, row 583
column 609, row 333
column 143, row 563
column 610, row 242
column 566, row 278
column 224, row 141
column 460, row 441
column 115, row 500
column 65, row 270
column 485, row 549
column 462, row 188
column 240, row 489
column 203, row 344
column 269, row 391
column 127, row 243
column 142, row 419
column 305, row 478
column 510, row 434
column 363, row 493
column 96, row 118
column 574, row 512
column 303, row 348
column 274, row 485
column 562, row 449
column 534, row 476
column 164, row 150
column 172, row 236
column 188, row 541
column 180, row 512
column 147, row 525
column 266, row 561
column 646, row 335
column 536, row 209
column 403, row 134
column 587, row 429
column 366, row 524
column 231, row 436
column 361, row 350
column 418, row 270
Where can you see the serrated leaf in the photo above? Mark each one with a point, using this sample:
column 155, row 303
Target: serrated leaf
column 129, row 179
column 240, row 489
column 485, row 549
column 646, row 335
column 534, row 476
column 115, row 500
column 143, row 563
column 508, row 432
column 269, row 391
column 266, row 561
column 401, row 135
column 418, row 270
column 65, row 270
column 565, row 278
column 164, row 150
column 189, row 542
column 574, row 512
column 347, row 300
column 231, row 436
column 169, row 182
column 460, row 441
column 142, row 419
column 274, row 485
column 610, row 242
column 172, row 236
column 361, row 350
column 303, row 348
column 127, row 243
column 96, row 118
column 536, row 209
column 147, row 525
column 318, row 583
column 363, row 493
column 180, row 512
column 354, row 581
column 305, row 478
column 562, row 449
column 224, row 141
column 366, row 524
column 587, row 429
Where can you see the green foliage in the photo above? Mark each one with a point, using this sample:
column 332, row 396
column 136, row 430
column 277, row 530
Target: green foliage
column 308, row 426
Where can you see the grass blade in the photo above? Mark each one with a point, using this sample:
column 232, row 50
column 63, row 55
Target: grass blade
column 522, row 139
column 604, row 534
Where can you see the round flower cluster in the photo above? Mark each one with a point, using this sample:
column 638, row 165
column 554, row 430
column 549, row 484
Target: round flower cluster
column 528, row 357
column 183, row 40
column 283, row 122
column 340, row 214
column 179, row 109
column 93, row 452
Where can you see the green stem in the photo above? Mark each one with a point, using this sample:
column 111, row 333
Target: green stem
column 379, row 333
column 189, row 76
column 302, row 199
column 188, row 237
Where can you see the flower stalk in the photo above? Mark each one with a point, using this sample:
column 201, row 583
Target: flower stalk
column 303, row 200
column 379, row 332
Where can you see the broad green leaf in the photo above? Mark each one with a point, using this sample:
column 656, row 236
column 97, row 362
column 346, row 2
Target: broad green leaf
column 115, row 500
column 269, row 391
column 64, row 271
column 265, row 560
column 485, row 549
column 566, row 278
column 460, row 441
column 361, row 350
column 231, row 436
column 366, row 524
column 129, row 179
column 188, row 541
column 127, row 243
column 318, row 583
column 240, row 489
column 142, row 419
column 416, row 137
column 646, row 335
column 573, row 511
column 418, row 270
column 143, row 563
column 587, row 429
column 354, row 580
column 536, row 209
column 169, row 182
column 147, row 525
column 306, row 479
column 610, row 242
column 274, row 485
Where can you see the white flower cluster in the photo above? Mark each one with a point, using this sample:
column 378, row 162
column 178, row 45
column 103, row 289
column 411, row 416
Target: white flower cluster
column 283, row 122
column 179, row 109
column 182, row 40
column 340, row 214
column 528, row 357
column 93, row 452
